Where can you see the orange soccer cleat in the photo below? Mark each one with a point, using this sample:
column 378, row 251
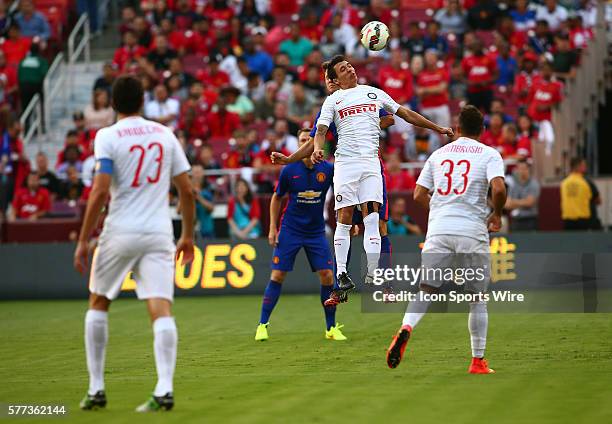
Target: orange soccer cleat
column 480, row 366
column 395, row 353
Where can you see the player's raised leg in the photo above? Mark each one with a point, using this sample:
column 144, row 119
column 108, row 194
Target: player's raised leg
column 96, row 337
column 342, row 245
column 371, row 238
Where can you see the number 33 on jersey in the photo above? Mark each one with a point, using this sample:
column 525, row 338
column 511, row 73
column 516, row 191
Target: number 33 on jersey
column 458, row 175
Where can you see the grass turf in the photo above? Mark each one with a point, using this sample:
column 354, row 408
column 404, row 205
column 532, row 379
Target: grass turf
column 551, row 368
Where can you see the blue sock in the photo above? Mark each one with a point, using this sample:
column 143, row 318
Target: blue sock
column 348, row 261
column 270, row 297
column 330, row 312
column 385, row 253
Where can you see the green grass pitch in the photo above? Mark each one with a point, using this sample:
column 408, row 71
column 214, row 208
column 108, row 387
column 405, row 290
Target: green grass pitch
column 551, row 368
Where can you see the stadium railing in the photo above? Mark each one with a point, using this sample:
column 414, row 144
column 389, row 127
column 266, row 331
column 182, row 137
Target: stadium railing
column 32, row 119
column 576, row 116
column 76, row 45
column 54, row 86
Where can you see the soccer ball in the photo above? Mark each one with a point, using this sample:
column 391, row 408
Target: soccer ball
column 374, row 35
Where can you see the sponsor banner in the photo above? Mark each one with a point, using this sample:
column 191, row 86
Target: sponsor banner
column 44, row 271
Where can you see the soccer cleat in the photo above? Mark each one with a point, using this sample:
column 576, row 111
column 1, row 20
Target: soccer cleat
column 262, row 332
column 157, row 403
column 334, row 333
column 395, row 353
column 480, row 366
column 96, row 401
column 345, row 283
column 335, row 298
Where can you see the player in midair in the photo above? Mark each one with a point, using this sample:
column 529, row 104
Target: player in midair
column 453, row 186
column 136, row 160
column 302, row 226
column 357, row 178
column 305, row 150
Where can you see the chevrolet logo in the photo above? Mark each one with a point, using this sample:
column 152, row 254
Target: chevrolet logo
column 309, row 194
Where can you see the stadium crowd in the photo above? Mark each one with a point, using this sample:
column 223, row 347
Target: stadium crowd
column 235, row 80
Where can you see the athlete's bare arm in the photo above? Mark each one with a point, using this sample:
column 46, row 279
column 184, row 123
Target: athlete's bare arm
column 319, row 143
column 184, row 247
column 386, row 121
column 498, row 200
column 275, row 206
column 421, row 196
column 97, row 200
column 419, row 120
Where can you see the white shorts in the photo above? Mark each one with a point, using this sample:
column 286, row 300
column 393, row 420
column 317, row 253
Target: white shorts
column 356, row 181
column 149, row 256
column 458, row 253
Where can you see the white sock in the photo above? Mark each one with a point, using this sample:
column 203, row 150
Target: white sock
column 96, row 336
column 416, row 310
column 342, row 243
column 371, row 241
column 164, row 345
column 478, row 322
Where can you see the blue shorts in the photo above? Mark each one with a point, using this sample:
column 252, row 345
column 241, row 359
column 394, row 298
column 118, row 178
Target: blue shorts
column 290, row 243
column 383, row 212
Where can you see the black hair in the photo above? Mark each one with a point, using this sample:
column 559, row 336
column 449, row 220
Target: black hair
column 331, row 72
column 575, row 161
column 249, row 196
column 471, row 121
column 128, row 95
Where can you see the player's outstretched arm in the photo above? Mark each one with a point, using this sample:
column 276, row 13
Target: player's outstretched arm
column 303, row 152
column 97, row 200
column 421, row 196
column 275, row 206
column 184, row 247
column 319, row 143
column 419, row 120
column 498, row 200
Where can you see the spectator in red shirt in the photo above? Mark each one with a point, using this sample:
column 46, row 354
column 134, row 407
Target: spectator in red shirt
column 201, row 39
column 8, row 81
column 526, row 78
column 397, row 179
column 194, row 111
column 129, row 53
column 432, row 89
column 492, row 136
column 213, row 76
column 177, row 39
column 508, row 142
column 128, row 14
column 243, row 213
column 221, row 122
column 481, row 72
column 220, row 15
column 242, row 153
column 31, row 202
column 184, row 16
column 19, row 162
column 15, row 47
column 350, row 15
column 396, row 78
column 544, row 94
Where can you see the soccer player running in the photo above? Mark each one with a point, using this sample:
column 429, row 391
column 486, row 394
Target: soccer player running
column 357, row 178
column 458, row 175
column 305, row 151
column 302, row 226
column 135, row 161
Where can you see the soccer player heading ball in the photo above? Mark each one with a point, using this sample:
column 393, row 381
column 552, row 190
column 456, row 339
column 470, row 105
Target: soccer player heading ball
column 354, row 109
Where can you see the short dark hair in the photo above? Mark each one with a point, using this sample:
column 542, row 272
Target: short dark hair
column 331, row 72
column 575, row 161
column 128, row 95
column 471, row 121
column 303, row 130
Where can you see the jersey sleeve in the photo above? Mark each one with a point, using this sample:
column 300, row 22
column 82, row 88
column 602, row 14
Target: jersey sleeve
column 180, row 163
column 382, row 113
column 426, row 178
column 495, row 165
column 388, row 103
column 282, row 184
column 326, row 117
column 102, row 146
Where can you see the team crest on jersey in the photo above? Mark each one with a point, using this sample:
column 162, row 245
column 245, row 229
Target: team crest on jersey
column 321, row 177
column 372, row 96
column 338, row 198
column 276, row 259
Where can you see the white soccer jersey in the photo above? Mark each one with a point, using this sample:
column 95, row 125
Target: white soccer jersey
column 459, row 175
column 145, row 155
column 356, row 114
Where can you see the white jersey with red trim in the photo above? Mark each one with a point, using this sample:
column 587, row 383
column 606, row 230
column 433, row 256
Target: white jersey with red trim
column 459, row 174
column 145, row 156
column 355, row 112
